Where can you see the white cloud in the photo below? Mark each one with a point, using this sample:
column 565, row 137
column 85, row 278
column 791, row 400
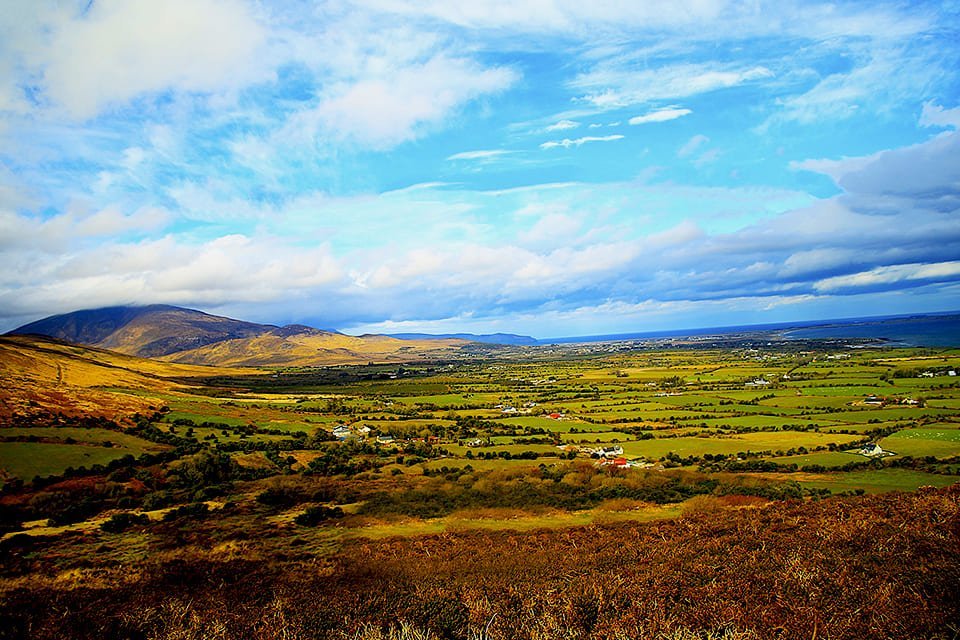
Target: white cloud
column 483, row 154
column 554, row 15
column 934, row 115
column 692, row 145
column 120, row 49
column 707, row 157
column 944, row 271
column 225, row 269
column 563, row 125
column 685, row 232
column 885, row 73
column 661, row 115
column 809, row 261
column 386, row 109
column 56, row 233
column 553, row 229
column 924, row 174
column 566, row 143
column 614, row 85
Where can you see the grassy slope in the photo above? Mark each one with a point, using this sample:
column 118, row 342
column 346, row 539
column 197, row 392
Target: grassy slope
column 314, row 349
column 856, row 568
column 25, row 460
column 45, row 374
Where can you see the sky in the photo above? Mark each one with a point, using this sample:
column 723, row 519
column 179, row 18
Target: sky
column 545, row 167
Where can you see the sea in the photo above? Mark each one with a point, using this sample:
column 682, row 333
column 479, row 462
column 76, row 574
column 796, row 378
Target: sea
column 921, row 330
column 912, row 331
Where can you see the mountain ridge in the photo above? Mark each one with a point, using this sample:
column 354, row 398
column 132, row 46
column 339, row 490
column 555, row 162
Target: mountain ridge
column 485, row 338
column 178, row 334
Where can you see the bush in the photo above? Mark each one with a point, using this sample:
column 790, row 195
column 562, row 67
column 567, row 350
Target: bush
column 195, row 510
column 123, row 521
column 279, row 497
column 315, row 515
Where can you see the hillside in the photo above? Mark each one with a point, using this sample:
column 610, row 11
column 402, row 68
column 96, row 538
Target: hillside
column 148, row 332
column 313, row 347
column 44, row 374
column 485, row 338
column 189, row 336
column 877, row 567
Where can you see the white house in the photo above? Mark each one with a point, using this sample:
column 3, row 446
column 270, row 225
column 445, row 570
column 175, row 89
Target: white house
column 608, row 452
column 871, row 450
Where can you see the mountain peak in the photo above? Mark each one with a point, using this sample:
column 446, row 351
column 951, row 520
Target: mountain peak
column 190, row 336
column 147, row 331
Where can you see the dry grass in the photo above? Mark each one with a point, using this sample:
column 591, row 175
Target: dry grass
column 42, row 374
column 314, row 349
column 875, row 567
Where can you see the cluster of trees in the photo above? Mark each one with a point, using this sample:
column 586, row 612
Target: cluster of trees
column 506, row 455
column 571, row 487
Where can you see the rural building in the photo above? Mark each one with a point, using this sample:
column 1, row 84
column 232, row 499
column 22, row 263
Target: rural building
column 609, row 453
column 616, row 463
column 872, row 450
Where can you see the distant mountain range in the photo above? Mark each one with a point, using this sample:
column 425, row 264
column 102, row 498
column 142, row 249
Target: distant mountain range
column 189, row 336
column 486, row 338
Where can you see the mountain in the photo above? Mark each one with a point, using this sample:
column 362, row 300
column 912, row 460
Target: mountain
column 147, row 332
column 486, row 338
column 188, row 336
column 279, row 347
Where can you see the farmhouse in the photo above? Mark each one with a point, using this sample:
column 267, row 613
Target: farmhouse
column 616, row 463
column 342, row 432
column 607, row 452
column 871, row 450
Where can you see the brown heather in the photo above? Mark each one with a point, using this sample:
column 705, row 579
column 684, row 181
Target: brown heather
column 884, row 566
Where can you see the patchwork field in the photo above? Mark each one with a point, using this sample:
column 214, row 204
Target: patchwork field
column 294, row 465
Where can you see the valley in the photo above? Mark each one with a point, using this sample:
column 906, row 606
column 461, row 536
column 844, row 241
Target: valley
column 112, row 461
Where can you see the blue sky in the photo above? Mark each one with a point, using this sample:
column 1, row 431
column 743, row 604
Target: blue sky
column 551, row 168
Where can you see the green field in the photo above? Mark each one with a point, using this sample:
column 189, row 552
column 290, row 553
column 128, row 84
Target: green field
column 130, row 443
column 741, row 443
column 694, row 402
column 25, row 460
column 924, row 442
column 880, row 480
column 822, row 458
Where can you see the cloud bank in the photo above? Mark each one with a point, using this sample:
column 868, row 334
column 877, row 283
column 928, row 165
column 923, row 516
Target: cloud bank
column 389, row 164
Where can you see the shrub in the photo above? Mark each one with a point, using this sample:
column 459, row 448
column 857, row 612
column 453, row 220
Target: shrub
column 315, row 515
column 123, row 521
column 195, row 510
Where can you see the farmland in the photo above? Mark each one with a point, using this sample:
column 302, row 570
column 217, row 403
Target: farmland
column 306, row 466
